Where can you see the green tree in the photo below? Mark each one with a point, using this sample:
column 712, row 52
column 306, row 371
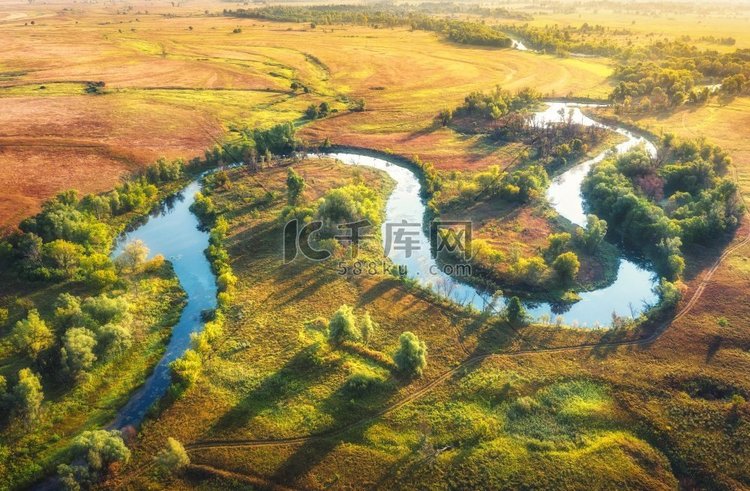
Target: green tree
column 367, row 328
column 592, row 236
column 343, row 326
column 77, row 352
column 31, row 336
column 172, row 458
column 186, row 369
column 557, row 243
column 566, row 265
column 100, row 448
column 515, row 311
column 28, row 396
column 295, row 185
column 65, row 256
column 411, row 357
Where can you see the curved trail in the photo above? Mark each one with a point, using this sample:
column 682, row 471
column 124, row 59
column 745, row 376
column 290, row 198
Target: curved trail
column 249, row 443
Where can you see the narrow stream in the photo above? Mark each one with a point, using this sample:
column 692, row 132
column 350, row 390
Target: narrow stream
column 173, row 232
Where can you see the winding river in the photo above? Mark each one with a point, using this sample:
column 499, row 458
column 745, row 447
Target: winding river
column 173, row 231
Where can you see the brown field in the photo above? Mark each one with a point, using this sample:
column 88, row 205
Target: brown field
column 172, row 91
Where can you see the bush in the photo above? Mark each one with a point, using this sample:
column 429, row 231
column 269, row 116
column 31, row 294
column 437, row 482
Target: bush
column 343, row 326
column 28, row 396
column 411, row 357
column 295, row 185
column 515, row 311
column 367, row 328
column 362, row 383
column 104, row 310
column 566, row 265
column 185, row 370
column 133, row 255
column 173, row 458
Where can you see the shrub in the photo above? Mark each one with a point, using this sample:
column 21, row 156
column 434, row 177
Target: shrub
column 28, row 396
column 172, row 458
column 566, row 265
column 3, row 316
column 362, row 383
column 411, row 357
column 114, row 339
column 367, row 328
column 515, row 311
column 295, row 185
column 103, row 310
column 343, row 326
column 185, row 370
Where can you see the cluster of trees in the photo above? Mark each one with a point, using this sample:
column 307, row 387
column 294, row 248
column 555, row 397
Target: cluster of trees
column 465, row 32
column 495, row 104
column 71, row 237
column 659, row 205
column 667, row 74
column 520, row 185
column 563, row 40
column 349, row 204
column 410, row 358
column 255, row 147
column 80, row 332
column 95, row 453
column 314, row 111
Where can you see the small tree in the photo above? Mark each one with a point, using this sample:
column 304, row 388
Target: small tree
column 31, row 336
column 173, row 458
column 312, row 112
column 134, row 254
column 515, row 311
column 367, row 328
column 411, row 357
column 566, row 265
column 77, row 353
column 592, row 236
column 343, row 325
column 295, row 185
column 3, row 316
column 28, row 396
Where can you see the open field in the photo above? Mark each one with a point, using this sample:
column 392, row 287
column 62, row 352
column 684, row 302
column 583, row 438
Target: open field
column 172, row 91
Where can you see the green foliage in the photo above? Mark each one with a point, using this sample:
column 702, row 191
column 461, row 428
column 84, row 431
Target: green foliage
column 521, row 185
column 104, row 310
column 31, row 336
column 100, row 449
column 367, row 327
column 28, row 396
column 173, row 458
column 343, row 326
column 498, row 103
column 515, row 311
column 411, row 357
column 203, row 207
column 362, row 383
column 655, row 205
column 591, row 237
column 278, row 140
column 185, row 370
column 3, row 316
column 557, row 243
column 566, row 266
column 295, row 185
column 77, row 352
column 348, row 204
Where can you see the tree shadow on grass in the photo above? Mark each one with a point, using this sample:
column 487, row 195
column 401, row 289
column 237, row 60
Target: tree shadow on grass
column 350, row 422
column 290, row 380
